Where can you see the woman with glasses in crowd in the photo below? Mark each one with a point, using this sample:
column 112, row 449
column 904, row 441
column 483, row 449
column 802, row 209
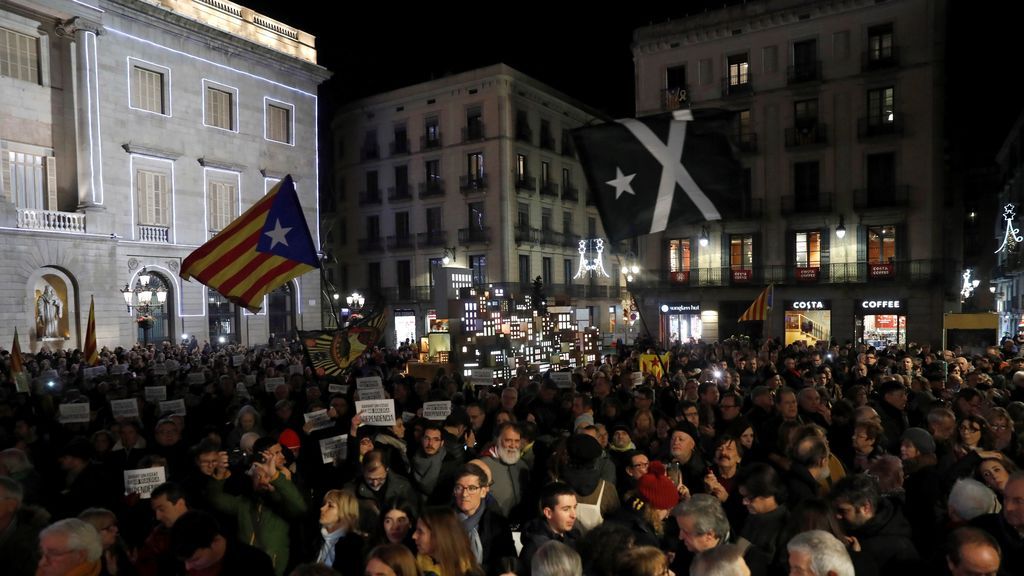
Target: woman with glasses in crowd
column 1004, row 438
column 973, row 435
column 115, row 558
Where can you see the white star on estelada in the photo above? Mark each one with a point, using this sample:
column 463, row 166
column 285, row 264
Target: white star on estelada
column 278, row 235
column 622, row 183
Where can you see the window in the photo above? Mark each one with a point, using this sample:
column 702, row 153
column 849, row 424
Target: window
column 524, row 270
column 401, row 140
column 370, row 149
column 545, row 219
column 219, row 106
column 524, row 215
column 675, row 78
column 478, row 269
column 739, row 70
column 521, row 169
column 474, row 124
column 805, row 59
column 545, row 172
column 19, row 56
column 402, row 181
column 743, row 128
column 432, row 133
column 881, row 177
column 373, row 278
column 475, row 166
column 704, row 74
column 154, row 198
column 147, row 89
column 568, row 272
column 372, row 183
column 546, row 139
column 880, row 46
column 548, row 271
column 770, row 59
column 567, row 225
column 279, row 122
column 808, row 249
column 805, row 114
column 522, row 126
column 432, row 172
column 435, row 265
column 679, row 255
column 28, row 178
column 402, row 224
column 805, row 183
column 881, row 106
column 373, row 227
column 566, row 179
column 881, row 244
column 741, row 252
column 221, row 203
column 476, row 216
column 403, row 274
column 435, row 224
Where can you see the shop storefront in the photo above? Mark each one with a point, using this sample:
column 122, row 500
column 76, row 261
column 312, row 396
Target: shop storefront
column 881, row 323
column 405, row 326
column 808, row 320
column 679, row 322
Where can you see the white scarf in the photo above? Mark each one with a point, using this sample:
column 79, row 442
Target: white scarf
column 326, row 556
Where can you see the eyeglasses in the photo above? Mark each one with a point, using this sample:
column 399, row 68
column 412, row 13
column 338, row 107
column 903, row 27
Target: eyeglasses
column 969, row 429
column 466, row 489
column 1000, row 426
column 641, row 465
column 48, row 554
column 375, row 481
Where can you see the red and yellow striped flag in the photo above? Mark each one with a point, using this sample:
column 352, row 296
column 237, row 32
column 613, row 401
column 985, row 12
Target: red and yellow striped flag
column 92, row 356
column 17, row 369
column 260, row 250
column 759, row 309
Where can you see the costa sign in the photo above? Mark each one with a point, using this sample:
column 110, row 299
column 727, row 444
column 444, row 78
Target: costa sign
column 881, row 304
column 809, row 305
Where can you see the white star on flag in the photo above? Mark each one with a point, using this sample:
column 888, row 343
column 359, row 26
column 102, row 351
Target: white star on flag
column 278, row 234
column 621, row 183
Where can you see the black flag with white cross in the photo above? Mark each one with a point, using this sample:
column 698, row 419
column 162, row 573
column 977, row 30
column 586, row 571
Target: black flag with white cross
column 651, row 173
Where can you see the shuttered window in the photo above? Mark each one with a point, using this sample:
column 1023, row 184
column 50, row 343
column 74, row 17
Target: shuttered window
column 154, row 198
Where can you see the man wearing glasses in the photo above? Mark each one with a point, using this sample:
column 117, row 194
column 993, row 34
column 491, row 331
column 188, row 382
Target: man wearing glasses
column 637, row 464
column 69, row 546
column 490, row 537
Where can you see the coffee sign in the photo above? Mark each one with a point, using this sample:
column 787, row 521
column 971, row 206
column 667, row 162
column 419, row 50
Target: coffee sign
column 868, row 306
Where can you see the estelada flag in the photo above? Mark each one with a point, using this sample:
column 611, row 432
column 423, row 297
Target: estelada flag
column 92, row 356
column 17, row 369
column 759, row 309
column 259, row 251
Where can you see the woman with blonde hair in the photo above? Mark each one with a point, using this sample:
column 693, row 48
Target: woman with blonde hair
column 391, row 560
column 340, row 539
column 443, row 544
column 643, row 561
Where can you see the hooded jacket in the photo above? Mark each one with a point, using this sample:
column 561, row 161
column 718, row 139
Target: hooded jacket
column 886, row 538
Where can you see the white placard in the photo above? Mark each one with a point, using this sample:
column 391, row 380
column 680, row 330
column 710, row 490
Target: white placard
column 372, row 394
column 241, row 391
column 334, row 448
column 196, row 378
column 155, row 393
column 562, row 379
column 119, row 369
column 127, row 408
column 369, row 383
column 319, row 418
column 95, row 372
column 172, row 365
column 250, row 379
column 337, row 388
column 638, row 378
column 481, row 377
column 237, row 360
column 49, row 376
column 294, row 370
column 175, row 406
column 280, row 362
column 437, row 410
column 271, row 384
column 377, row 412
column 74, row 413
column 408, row 417
column 143, row 481
column 159, row 369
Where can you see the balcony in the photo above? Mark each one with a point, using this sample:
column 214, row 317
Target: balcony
column 568, row 148
column 475, row 131
column 750, row 209
column 469, row 183
column 547, row 141
column 929, row 272
column 550, row 238
column 399, row 193
column 433, row 238
column 526, row 183
column 675, row 98
column 815, row 134
column 367, row 197
column 401, row 242
column 430, row 142
column 570, row 193
column 570, row 240
column 872, row 60
column 369, row 152
column 474, row 235
column 733, row 87
column 747, row 142
column 524, row 133
column 51, row 220
column 399, row 147
column 809, row 72
column 881, row 197
column 156, row 234
column 375, row 244
column 810, row 203
column 877, row 127
column 431, row 188
column 407, row 293
column 526, row 234
column 549, row 188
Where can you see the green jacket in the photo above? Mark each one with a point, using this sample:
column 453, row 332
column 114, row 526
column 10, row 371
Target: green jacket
column 263, row 518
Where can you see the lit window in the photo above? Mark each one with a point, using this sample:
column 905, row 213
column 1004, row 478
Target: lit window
column 808, row 249
column 679, row 255
column 154, row 198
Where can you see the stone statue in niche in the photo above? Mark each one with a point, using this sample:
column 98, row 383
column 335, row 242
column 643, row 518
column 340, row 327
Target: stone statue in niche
column 49, row 311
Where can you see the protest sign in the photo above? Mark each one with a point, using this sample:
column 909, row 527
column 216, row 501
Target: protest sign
column 172, row 365
column 377, row 412
column 250, row 379
column 155, row 393
column 95, row 372
column 369, row 383
column 241, row 391
column 143, row 481
column 117, row 369
column 481, row 377
column 271, row 384
column 637, row 377
column 319, row 418
column 337, row 388
column 562, row 379
column 74, row 413
column 175, row 406
column 159, row 369
column 437, row 410
column 196, row 378
column 237, row 360
column 334, row 448
column 127, row 408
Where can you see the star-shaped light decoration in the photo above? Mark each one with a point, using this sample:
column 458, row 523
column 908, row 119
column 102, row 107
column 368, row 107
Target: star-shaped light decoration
column 621, row 183
column 1012, row 236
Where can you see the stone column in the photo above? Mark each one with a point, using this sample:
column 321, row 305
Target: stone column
column 89, row 156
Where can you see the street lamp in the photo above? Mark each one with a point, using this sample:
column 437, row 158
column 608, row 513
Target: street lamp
column 355, row 300
column 703, row 240
column 449, row 256
column 841, row 229
column 142, row 294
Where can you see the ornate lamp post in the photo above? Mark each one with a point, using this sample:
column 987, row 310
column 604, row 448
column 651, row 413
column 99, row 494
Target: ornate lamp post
column 142, row 294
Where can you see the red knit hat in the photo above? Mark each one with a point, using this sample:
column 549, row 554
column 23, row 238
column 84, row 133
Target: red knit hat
column 657, row 489
column 289, row 439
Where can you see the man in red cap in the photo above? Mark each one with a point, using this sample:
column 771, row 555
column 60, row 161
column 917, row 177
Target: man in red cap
column 290, row 440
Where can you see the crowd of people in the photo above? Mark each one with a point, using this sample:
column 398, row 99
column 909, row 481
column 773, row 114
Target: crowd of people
column 731, row 458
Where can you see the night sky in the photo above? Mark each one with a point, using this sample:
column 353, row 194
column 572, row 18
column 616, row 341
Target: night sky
column 587, row 55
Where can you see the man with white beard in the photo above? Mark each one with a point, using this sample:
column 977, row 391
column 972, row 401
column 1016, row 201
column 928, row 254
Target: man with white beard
column 510, row 476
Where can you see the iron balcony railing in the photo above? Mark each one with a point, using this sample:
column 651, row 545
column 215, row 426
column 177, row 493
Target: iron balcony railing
column 808, row 72
column 896, row 196
column 371, row 244
column 433, row 238
column 747, row 142
column 401, row 242
column 549, row 188
column 430, row 142
column 526, row 234
column 369, row 152
column 547, row 141
column 524, row 133
column 876, row 126
column 399, row 193
column 472, row 183
column 880, row 59
column 431, row 188
column 474, row 235
column 369, row 197
column 525, row 182
column 809, row 204
column 475, row 131
column 815, row 134
column 570, row 193
column 400, row 146
column 734, row 87
column 933, row 271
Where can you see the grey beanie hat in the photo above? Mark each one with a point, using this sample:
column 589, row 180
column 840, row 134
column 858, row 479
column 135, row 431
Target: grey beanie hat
column 921, row 439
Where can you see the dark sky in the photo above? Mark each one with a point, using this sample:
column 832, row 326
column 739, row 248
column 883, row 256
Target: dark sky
column 587, row 54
